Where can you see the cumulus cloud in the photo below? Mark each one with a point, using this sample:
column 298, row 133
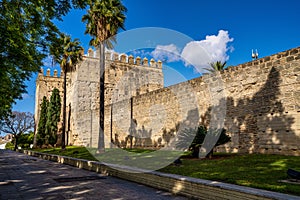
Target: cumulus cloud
column 213, row 48
column 166, row 53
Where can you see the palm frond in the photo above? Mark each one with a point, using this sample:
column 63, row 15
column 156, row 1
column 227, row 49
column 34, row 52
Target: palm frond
column 216, row 66
column 103, row 21
column 66, row 52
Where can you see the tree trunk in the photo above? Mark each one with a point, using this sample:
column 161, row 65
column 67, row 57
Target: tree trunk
column 34, row 137
column 63, row 135
column 131, row 122
column 101, row 146
column 16, row 143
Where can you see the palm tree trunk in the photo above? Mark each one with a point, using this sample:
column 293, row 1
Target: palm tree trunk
column 101, row 99
column 111, row 126
column 68, row 128
column 63, row 135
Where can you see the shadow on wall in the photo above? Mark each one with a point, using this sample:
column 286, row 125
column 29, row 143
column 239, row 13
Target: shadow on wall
column 256, row 124
column 136, row 138
column 143, row 138
column 259, row 124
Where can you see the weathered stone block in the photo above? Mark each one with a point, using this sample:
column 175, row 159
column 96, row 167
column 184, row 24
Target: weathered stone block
column 290, row 58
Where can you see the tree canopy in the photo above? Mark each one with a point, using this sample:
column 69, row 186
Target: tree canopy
column 53, row 117
column 17, row 123
column 42, row 123
column 103, row 20
column 26, row 32
column 66, row 53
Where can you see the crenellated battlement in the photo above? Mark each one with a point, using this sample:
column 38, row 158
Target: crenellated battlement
column 275, row 59
column 48, row 73
column 128, row 59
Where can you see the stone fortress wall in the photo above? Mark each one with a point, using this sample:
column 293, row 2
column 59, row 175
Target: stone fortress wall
column 125, row 76
column 259, row 101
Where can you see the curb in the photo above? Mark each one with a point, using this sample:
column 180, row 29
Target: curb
column 176, row 184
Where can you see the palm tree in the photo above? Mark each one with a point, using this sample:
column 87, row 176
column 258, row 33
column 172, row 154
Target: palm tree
column 216, row 66
column 104, row 19
column 67, row 53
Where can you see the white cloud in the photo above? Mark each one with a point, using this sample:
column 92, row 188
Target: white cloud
column 48, row 62
column 201, row 53
column 141, row 53
column 198, row 54
column 166, row 53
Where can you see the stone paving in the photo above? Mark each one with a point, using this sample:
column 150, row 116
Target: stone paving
column 25, row 177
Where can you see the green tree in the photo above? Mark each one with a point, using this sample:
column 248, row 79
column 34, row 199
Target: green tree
column 17, row 123
column 53, row 117
column 216, row 66
column 26, row 139
column 103, row 20
column 41, row 131
column 67, row 53
column 26, row 31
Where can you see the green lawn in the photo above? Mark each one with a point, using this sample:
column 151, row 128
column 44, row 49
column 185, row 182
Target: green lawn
column 71, row 151
column 258, row 171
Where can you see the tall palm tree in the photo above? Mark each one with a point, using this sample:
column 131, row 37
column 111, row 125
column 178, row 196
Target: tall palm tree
column 103, row 20
column 67, row 53
column 216, row 66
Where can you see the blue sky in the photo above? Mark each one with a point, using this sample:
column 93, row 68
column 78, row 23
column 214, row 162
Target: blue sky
column 237, row 26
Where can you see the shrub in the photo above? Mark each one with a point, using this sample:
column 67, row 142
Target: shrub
column 24, row 141
column 9, row 146
column 197, row 137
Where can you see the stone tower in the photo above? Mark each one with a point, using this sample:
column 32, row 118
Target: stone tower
column 125, row 77
column 45, row 83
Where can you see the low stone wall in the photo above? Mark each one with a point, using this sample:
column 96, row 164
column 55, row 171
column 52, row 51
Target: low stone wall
column 181, row 185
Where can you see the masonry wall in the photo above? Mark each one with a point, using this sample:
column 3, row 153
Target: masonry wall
column 259, row 102
column 125, row 77
column 265, row 94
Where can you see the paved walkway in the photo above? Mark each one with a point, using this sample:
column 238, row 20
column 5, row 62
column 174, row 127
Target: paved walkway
column 25, row 177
